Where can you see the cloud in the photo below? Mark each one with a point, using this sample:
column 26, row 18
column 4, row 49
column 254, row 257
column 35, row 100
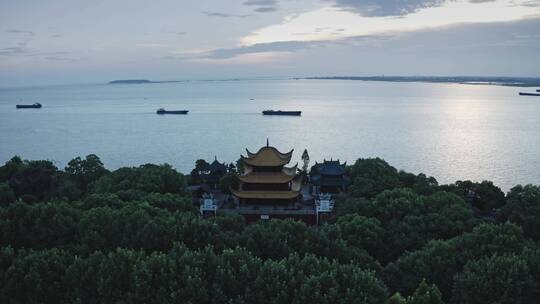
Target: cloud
column 56, row 58
column 151, row 45
column 173, row 32
column 57, row 36
column 528, row 3
column 262, row 6
column 384, row 8
column 22, row 50
column 23, row 32
column 261, row 2
column 228, row 53
column 249, row 59
column 453, row 32
column 266, row 9
column 285, row 46
column 10, row 51
column 278, row 47
column 380, row 8
column 224, row 15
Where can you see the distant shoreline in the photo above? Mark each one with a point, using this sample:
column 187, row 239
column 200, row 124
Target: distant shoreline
column 140, row 81
column 471, row 80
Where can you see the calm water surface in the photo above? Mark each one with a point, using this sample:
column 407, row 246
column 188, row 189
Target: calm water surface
column 449, row 131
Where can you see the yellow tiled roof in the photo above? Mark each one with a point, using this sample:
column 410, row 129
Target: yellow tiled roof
column 266, row 178
column 267, row 157
column 265, row 194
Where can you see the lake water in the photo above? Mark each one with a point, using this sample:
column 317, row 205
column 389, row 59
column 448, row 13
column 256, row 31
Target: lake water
column 449, row 131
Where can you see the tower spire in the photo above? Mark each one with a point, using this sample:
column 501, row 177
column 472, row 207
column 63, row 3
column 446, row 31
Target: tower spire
column 267, row 143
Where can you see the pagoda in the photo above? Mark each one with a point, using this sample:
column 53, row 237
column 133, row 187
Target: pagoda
column 329, row 177
column 213, row 173
column 266, row 181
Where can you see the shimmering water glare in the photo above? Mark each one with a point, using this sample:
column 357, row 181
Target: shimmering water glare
column 449, row 131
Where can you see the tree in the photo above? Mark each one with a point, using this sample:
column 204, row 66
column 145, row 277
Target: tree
column 484, row 196
column 523, row 208
column 12, row 167
column 6, row 194
column 358, row 232
column 227, row 182
column 136, row 226
column 85, row 171
column 147, row 178
column 496, row 279
column 274, row 239
column 426, row 294
column 372, row 176
column 198, row 171
column 66, row 188
column 38, row 226
column 169, row 201
column 30, row 180
column 411, row 220
column 37, row 277
column 240, row 166
column 439, row 261
column 349, row 205
column 397, row 298
column 420, row 183
column 231, row 169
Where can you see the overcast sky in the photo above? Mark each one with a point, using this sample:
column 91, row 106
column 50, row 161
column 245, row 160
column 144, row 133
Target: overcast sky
column 71, row 41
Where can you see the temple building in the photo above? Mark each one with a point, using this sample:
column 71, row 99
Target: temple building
column 329, row 177
column 213, row 173
column 266, row 181
column 268, row 188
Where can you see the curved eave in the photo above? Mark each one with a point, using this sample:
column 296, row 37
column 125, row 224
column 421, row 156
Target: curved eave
column 256, row 161
column 265, row 194
column 290, row 171
column 266, row 178
column 286, row 155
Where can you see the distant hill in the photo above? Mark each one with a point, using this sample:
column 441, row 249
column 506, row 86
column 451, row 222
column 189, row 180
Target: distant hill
column 129, row 81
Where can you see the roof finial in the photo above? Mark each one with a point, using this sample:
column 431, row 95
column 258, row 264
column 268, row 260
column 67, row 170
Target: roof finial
column 215, row 157
column 267, row 143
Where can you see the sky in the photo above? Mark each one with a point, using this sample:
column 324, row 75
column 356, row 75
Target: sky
column 72, row 41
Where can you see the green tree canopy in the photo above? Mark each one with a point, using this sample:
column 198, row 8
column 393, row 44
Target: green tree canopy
column 85, row 171
column 497, row 279
column 31, row 180
column 484, row 196
column 523, row 208
column 146, row 178
column 426, row 294
column 439, row 261
column 6, row 194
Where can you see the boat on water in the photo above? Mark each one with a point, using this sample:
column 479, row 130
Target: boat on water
column 36, row 105
column 279, row 112
column 529, row 94
column 163, row 111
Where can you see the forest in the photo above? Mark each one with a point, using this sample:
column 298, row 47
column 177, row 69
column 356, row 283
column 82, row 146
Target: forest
column 85, row 234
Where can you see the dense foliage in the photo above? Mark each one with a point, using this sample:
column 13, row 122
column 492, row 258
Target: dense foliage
column 88, row 235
